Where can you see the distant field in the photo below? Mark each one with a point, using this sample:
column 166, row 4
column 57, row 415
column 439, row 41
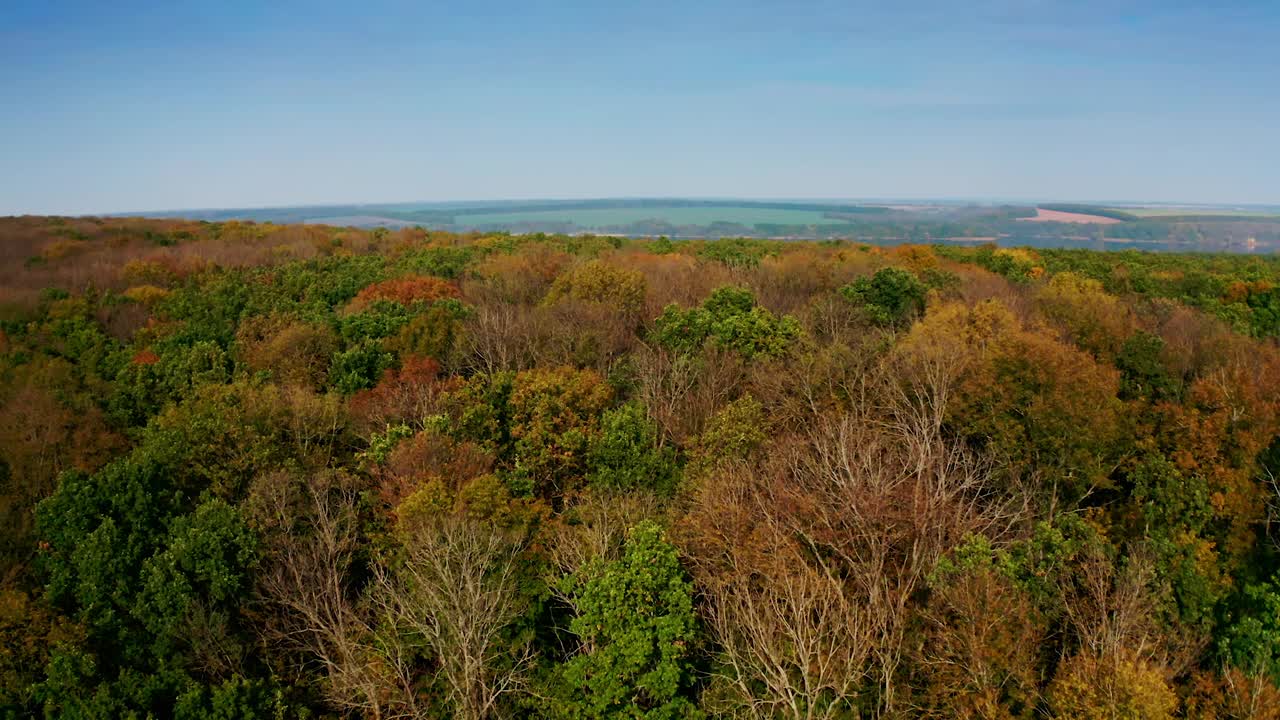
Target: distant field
column 1196, row 211
column 1043, row 215
column 675, row 215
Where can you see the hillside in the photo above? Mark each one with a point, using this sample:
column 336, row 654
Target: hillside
column 302, row 471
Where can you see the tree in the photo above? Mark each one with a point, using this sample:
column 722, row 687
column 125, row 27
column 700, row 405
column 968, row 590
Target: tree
column 308, row 585
column 540, row 424
column 1047, row 410
column 793, row 641
column 636, row 626
column 892, row 296
column 599, row 282
column 729, row 318
column 627, row 455
column 1086, row 688
column 456, row 589
column 1094, row 321
column 982, row 640
column 292, row 351
column 155, row 583
column 863, row 505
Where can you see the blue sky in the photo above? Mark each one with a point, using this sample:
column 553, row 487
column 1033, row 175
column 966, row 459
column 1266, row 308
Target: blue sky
column 145, row 106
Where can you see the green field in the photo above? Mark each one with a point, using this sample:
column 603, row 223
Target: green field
column 603, row 217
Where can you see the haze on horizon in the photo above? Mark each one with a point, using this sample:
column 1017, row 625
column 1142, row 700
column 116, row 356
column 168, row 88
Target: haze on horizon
column 140, row 106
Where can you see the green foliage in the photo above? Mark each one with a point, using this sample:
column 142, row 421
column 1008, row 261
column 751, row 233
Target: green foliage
column 381, row 444
column 142, row 389
column 359, row 367
column 445, row 262
column 637, row 627
column 383, row 318
column 220, row 438
column 201, row 571
column 1142, row 370
column 73, row 334
column 1015, row 264
column 238, row 698
column 733, row 433
column 1251, row 637
column 729, row 301
column 313, row 288
column 208, row 310
column 892, row 296
column 1174, row 511
column 627, row 456
column 154, row 582
column 1041, row 565
column 540, row 425
column 735, row 252
column 730, row 319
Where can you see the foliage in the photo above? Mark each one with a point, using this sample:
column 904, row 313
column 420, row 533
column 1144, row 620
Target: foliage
column 1252, row 638
column 892, row 296
column 729, row 318
column 598, row 282
column 273, row 470
column 627, row 456
column 407, row 290
column 359, row 367
column 1127, row 689
column 637, row 629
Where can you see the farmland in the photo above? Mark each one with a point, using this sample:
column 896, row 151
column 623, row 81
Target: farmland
column 1043, row 215
column 606, row 217
column 1199, row 211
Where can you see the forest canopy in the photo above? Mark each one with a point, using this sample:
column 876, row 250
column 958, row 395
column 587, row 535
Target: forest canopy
column 299, row 471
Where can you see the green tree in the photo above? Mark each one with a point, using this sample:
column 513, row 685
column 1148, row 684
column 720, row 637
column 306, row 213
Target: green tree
column 1250, row 639
column 627, row 456
column 637, row 628
column 730, row 318
column 892, row 296
column 1142, row 370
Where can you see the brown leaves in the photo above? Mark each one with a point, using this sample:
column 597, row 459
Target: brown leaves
column 405, row 290
column 408, row 394
column 810, row 559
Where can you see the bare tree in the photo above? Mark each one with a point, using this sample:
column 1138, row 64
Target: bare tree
column 885, row 504
column 681, row 391
column 456, row 589
column 599, row 528
column 1110, row 610
column 498, row 338
column 859, row 511
column 311, row 531
column 793, row 644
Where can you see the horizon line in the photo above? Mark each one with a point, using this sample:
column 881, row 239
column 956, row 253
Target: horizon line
column 853, row 201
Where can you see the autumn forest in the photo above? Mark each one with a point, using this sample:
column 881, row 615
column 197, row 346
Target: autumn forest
column 256, row 470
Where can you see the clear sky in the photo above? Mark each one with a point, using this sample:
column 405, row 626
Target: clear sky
column 122, row 106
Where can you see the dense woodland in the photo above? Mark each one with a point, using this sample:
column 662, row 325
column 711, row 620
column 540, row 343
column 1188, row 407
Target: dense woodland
column 283, row 471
